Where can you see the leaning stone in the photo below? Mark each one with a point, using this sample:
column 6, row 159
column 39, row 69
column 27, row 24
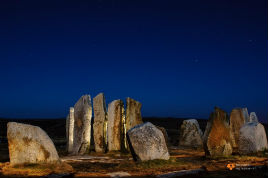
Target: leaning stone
column 82, row 125
column 100, row 119
column 147, row 142
column 29, row 144
column 218, row 138
column 115, row 130
column 252, row 138
column 190, row 134
column 253, row 117
column 237, row 120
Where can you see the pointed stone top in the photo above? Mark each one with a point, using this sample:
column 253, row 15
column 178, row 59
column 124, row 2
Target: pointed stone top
column 83, row 100
column 253, row 117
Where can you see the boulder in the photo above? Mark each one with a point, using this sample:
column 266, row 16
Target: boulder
column 82, row 125
column 190, row 134
column 29, row 144
column 100, row 123
column 70, row 130
column 147, row 142
column 253, row 117
column 252, row 138
column 115, row 126
column 237, row 120
column 218, row 138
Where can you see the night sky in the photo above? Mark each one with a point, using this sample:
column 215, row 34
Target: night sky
column 178, row 58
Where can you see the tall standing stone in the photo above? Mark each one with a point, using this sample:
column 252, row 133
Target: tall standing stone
column 115, row 134
column 253, row 117
column 70, row 131
column 218, row 138
column 100, row 119
column 82, row 125
column 190, row 134
column 237, row 120
column 133, row 117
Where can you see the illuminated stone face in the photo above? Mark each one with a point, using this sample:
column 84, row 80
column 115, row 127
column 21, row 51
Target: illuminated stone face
column 100, row 123
column 29, row 144
column 82, row 125
column 218, row 138
column 114, row 131
column 70, row 130
column 147, row 142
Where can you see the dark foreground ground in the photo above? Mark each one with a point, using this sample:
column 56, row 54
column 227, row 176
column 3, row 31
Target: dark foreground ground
column 100, row 165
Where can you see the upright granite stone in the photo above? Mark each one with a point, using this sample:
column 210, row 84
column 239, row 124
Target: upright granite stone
column 147, row 142
column 115, row 132
column 82, row 125
column 164, row 132
column 100, row 120
column 252, row 138
column 246, row 115
column 190, row 134
column 70, row 130
column 133, row 117
column 237, row 120
column 218, row 138
column 133, row 113
column 29, row 144
column 253, row 117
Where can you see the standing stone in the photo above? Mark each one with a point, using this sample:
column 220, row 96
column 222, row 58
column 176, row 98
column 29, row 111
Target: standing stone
column 253, row 117
column 29, row 144
column 246, row 115
column 252, row 138
column 190, row 134
column 115, row 133
column 218, row 138
column 147, row 142
column 133, row 117
column 70, row 127
column 133, row 113
column 100, row 119
column 237, row 120
column 82, row 125
column 164, row 132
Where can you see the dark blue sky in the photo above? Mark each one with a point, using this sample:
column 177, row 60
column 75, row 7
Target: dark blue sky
column 179, row 58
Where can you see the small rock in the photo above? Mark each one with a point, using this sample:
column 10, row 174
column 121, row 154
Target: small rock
column 118, row 174
column 253, row 117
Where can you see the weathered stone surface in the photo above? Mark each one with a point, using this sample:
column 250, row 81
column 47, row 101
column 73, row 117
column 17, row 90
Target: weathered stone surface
column 190, row 134
column 237, row 120
column 29, row 144
column 100, row 123
column 115, row 130
column 133, row 113
column 218, row 138
column 246, row 115
column 82, row 125
column 147, row 142
column 70, row 130
column 253, row 117
column 252, row 138
column 163, row 130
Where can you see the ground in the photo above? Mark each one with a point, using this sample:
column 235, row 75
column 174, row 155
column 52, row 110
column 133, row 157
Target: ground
column 100, row 165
